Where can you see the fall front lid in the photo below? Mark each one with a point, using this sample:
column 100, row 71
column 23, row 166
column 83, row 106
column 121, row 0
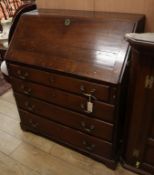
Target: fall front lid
column 86, row 44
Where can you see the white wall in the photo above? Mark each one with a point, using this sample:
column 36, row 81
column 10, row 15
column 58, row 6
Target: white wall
column 131, row 6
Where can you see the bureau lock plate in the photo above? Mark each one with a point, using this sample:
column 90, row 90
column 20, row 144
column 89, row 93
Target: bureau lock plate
column 67, row 22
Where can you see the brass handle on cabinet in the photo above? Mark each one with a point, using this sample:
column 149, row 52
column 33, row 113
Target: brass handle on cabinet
column 26, row 90
column 29, row 106
column 83, row 90
column 88, row 94
column 34, row 125
column 89, row 147
column 21, row 75
column 87, row 129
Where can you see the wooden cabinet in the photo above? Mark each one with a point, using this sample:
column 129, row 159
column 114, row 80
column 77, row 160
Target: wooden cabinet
column 68, row 77
column 140, row 143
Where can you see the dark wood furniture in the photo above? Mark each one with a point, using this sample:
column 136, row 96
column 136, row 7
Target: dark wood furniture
column 139, row 153
column 68, row 77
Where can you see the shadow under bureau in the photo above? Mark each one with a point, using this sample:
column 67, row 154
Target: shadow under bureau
column 68, row 77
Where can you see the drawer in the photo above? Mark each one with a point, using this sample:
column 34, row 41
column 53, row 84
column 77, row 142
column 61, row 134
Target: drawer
column 87, row 143
column 39, row 125
column 66, row 135
column 101, row 92
column 74, row 102
column 74, row 120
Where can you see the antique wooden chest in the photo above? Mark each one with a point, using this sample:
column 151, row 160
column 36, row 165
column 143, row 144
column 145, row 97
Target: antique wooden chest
column 67, row 71
column 139, row 152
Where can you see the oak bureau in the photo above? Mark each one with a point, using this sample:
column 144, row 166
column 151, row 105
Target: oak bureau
column 68, row 72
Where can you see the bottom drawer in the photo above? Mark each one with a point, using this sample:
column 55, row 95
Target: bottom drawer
column 87, row 143
column 78, row 140
column 39, row 125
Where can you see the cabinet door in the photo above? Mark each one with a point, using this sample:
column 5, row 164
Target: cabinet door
column 148, row 159
column 140, row 109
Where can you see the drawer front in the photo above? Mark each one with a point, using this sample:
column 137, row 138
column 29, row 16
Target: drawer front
column 87, row 143
column 74, row 102
column 66, row 135
column 101, row 92
column 40, row 125
column 74, row 120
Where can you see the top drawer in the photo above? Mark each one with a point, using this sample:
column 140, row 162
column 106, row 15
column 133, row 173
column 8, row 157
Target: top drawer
column 101, row 92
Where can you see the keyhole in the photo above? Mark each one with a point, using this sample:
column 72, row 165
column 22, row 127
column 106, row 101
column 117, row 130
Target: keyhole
column 67, row 22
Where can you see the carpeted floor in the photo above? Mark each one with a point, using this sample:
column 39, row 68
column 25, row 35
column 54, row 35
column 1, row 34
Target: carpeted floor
column 4, row 86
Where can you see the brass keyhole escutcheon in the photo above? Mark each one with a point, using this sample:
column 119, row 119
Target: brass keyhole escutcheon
column 67, row 22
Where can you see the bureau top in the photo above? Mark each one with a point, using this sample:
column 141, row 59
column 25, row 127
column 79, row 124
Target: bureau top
column 86, row 44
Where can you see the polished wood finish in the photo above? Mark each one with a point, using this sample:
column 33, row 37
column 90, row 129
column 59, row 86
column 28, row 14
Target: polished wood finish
column 77, row 103
column 71, row 75
column 95, row 48
column 69, row 118
column 140, row 144
column 40, row 125
column 88, row 145
column 101, row 92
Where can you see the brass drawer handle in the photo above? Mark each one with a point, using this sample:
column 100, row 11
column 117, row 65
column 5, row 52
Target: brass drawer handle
column 87, row 129
column 29, row 106
column 21, row 75
column 88, row 94
column 83, row 90
column 89, row 147
column 33, row 124
column 26, row 90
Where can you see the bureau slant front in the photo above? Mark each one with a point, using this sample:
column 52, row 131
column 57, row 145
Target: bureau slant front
column 68, row 73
